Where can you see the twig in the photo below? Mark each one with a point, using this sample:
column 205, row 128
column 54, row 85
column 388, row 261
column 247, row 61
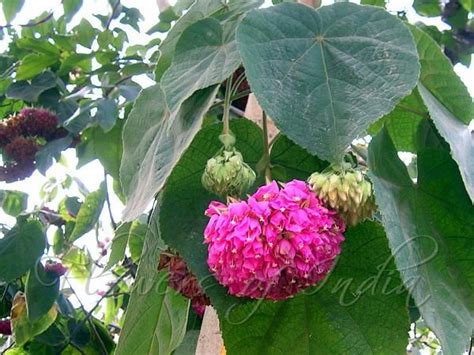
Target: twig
column 104, row 349
column 107, row 200
column 89, row 314
column 31, row 24
column 237, row 111
column 238, row 81
column 273, row 140
column 109, row 21
column 225, row 117
column 120, row 81
column 233, row 98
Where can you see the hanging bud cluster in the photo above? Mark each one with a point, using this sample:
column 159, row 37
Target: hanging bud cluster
column 227, row 174
column 349, row 192
column 183, row 281
column 21, row 136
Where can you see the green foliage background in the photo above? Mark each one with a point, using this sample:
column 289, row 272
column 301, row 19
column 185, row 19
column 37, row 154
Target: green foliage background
column 342, row 79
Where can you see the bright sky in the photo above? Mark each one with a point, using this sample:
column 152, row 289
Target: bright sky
column 91, row 174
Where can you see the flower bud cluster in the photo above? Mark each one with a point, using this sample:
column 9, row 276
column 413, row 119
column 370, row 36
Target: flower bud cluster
column 349, row 192
column 227, row 174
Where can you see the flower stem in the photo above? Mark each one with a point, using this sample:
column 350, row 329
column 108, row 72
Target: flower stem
column 225, row 117
column 266, row 149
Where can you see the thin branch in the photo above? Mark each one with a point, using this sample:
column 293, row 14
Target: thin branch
column 237, row 111
column 238, row 81
column 111, row 17
column 233, row 98
column 273, row 140
column 104, row 349
column 120, row 81
column 225, row 117
column 89, row 314
column 107, row 200
column 48, row 17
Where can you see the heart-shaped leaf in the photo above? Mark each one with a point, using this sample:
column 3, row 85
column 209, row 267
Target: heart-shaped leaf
column 20, row 248
column 153, row 141
column 206, row 54
column 324, row 76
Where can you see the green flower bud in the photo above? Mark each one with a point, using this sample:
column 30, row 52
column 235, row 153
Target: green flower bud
column 227, row 174
column 349, row 192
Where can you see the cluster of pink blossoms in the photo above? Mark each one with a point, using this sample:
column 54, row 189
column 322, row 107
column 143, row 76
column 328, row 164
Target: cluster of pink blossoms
column 273, row 245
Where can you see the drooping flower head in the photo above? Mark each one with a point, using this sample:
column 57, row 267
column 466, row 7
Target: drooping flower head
column 278, row 242
column 349, row 192
column 182, row 280
column 38, row 122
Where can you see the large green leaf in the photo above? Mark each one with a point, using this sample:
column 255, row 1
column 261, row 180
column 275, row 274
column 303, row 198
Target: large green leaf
column 119, row 245
column 206, row 54
column 30, row 91
column 71, row 7
column 430, row 228
column 33, row 64
column 42, row 290
column 198, row 11
column 402, row 123
column 430, row 8
column 153, row 141
column 11, row 8
column 89, row 213
column 13, row 202
column 449, row 104
column 156, row 317
column 290, row 161
column 182, row 219
column 23, row 329
column 107, row 113
column 325, row 75
column 457, row 134
column 438, row 76
column 380, row 3
column 20, row 248
column 359, row 309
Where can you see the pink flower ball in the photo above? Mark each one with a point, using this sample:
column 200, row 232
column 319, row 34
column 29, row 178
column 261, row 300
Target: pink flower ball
column 273, row 245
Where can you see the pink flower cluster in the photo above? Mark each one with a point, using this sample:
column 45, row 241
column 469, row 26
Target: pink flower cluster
column 273, row 245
